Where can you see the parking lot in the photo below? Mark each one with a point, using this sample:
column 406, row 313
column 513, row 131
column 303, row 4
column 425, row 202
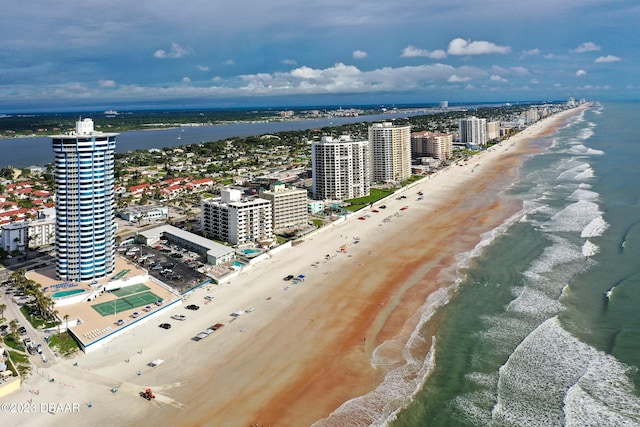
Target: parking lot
column 169, row 263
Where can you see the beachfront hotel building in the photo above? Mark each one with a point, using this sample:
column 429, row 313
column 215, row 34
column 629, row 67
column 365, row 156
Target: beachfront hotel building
column 288, row 204
column 473, row 132
column 390, row 152
column 236, row 219
column 341, row 168
column 429, row 144
column 85, row 219
column 493, row 130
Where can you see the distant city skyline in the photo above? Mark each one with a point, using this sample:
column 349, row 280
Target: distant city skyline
column 198, row 54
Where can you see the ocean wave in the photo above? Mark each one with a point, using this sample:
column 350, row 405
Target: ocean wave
column 589, row 249
column 588, row 132
column 584, row 194
column 584, row 150
column 595, row 228
column 574, row 217
column 535, row 303
column 552, row 378
column 573, row 169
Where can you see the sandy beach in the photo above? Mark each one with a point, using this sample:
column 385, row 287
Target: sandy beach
column 306, row 348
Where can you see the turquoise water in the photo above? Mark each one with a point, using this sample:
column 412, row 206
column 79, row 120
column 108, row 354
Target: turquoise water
column 528, row 336
column 237, row 264
column 64, row 294
column 251, row 251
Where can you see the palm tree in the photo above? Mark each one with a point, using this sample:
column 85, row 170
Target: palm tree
column 13, row 325
column 3, row 307
column 66, row 319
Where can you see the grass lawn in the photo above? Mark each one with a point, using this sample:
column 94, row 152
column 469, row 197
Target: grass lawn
column 374, row 195
column 36, row 320
column 10, row 342
column 63, row 343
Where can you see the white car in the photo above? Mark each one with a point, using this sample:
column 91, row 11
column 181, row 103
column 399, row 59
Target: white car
column 179, row 317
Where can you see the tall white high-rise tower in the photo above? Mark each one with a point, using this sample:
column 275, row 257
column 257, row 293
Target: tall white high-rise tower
column 85, row 217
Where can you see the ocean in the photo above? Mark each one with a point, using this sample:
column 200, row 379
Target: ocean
column 528, row 335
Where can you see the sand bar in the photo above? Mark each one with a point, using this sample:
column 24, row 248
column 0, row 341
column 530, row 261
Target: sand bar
column 305, row 348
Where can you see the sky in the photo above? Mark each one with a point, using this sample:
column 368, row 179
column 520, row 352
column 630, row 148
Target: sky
column 212, row 53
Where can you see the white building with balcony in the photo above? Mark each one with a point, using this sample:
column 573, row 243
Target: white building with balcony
column 390, row 152
column 236, row 219
column 289, row 206
column 85, row 218
column 341, row 168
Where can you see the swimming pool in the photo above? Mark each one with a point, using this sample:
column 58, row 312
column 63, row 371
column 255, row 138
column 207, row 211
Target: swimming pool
column 65, row 294
column 237, row 264
column 251, row 251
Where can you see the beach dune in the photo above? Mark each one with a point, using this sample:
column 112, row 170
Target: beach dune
column 305, row 348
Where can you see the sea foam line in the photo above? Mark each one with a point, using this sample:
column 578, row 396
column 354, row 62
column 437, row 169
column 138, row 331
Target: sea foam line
column 552, row 378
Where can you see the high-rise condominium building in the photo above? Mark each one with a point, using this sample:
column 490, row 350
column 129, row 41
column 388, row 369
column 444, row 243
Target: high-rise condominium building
column 85, row 217
column 390, row 152
column 341, row 168
column 473, row 131
column 436, row 145
column 288, row 204
column 237, row 220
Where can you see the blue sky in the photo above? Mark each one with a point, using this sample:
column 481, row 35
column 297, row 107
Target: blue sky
column 117, row 53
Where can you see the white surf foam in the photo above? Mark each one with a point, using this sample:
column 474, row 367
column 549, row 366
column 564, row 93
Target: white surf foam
column 589, row 249
column 574, row 217
column 535, row 303
column 554, row 379
column 584, row 194
column 575, row 170
column 596, row 227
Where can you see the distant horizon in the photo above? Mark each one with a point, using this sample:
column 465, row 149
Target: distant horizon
column 169, row 106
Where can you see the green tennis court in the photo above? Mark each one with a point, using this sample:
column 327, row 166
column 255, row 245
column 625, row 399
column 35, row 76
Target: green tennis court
column 126, row 303
column 133, row 289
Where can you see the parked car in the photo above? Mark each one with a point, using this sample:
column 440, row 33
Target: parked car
column 289, row 277
column 179, row 317
column 192, row 307
column 22, row 330
column 165, row 325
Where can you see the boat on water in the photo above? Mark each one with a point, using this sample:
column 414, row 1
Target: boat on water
column 609, row 293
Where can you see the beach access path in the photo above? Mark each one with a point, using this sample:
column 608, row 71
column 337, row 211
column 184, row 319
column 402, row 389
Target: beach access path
column 305, row 348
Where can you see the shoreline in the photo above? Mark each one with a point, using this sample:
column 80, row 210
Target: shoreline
column 308, row 349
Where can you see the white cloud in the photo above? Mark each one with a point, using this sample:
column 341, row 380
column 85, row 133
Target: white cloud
column 581, row 73
column 608, row 58
column 186, row 80
column 530, row 52
column 519, row 70
column 457, row 79
column 412, row 51
column 359, row 54
column 177, row 51
column 341, row 78
column 496, row 78
column 586, row 47
column 534, row 81
column 202, row 68
column 107, row 83
column 229, row 62
column 289, row 61
column 466, row 47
